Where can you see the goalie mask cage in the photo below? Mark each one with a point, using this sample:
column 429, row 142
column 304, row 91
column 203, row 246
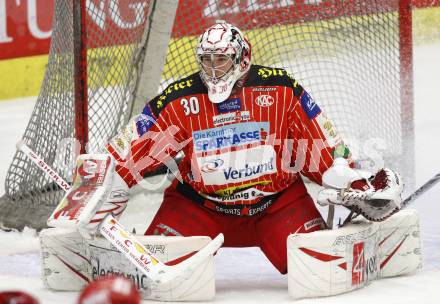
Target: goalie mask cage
column 108, row 57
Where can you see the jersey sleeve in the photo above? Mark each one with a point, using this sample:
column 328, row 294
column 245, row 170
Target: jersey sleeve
column 316, row 141
column 150, row 140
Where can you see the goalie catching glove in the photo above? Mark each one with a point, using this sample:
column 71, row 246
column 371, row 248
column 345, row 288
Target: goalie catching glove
column 96, row 191
column 376, row 196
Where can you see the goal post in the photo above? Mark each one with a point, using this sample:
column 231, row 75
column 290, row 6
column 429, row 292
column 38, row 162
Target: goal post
column 407, row 92
column 108, row 58
column 80, row 88
column 91, row 82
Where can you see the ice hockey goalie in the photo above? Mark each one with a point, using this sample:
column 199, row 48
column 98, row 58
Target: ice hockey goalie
column 248, row 133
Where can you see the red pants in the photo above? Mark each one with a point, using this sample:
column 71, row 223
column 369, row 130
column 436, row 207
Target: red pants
column 293, row 211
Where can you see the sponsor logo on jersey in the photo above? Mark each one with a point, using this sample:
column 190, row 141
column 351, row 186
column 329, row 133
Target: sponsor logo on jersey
column 264, row 100
column 231, row 117
column 230, row 190
column 309, row 105
column 230, row 136
column 212, row 165
column 267, row 72
column 232, row 104
column 121, row 142
column 237, row 166
column 263, row 89
column 240, row 209
column 144, row 121
column 147, row 111
column 245, row 195
column 173, row 88
column 329, row 130
column 248, row 170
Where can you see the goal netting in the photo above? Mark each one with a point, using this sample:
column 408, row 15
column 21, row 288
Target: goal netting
column 109, row 57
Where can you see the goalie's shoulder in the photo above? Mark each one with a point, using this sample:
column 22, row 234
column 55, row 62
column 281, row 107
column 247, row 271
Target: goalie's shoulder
column 271, row 76
column 186, row 86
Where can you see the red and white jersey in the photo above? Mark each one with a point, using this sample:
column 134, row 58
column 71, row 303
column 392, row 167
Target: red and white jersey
column 240, row 152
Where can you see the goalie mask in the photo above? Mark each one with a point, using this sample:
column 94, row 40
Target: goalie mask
column 224, row 56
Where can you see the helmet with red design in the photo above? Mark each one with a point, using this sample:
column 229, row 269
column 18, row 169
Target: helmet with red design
column 16, row 297
column 110, row 289
column 224, row 56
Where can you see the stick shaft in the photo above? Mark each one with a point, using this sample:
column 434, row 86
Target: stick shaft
column 421, row 190
column 21, row 146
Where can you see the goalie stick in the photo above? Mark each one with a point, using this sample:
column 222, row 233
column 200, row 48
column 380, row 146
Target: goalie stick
column 421, row 190
column 127, row 244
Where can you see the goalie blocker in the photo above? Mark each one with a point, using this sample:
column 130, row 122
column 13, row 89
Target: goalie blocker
column 330, row 262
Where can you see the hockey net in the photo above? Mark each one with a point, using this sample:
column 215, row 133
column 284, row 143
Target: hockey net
column 354, row 57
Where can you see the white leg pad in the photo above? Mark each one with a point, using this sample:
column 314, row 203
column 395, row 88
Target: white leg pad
column 331, row 262
column 69, row 262
column 65, row 259
column 200, row 285
column 400, row 244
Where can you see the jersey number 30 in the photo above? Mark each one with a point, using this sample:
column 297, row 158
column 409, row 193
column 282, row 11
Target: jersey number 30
column 190, row 106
